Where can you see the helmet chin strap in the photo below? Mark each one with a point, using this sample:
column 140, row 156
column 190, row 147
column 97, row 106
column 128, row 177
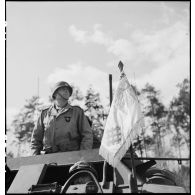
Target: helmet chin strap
column 65, row 99
column 62, row 97
column 59, row 104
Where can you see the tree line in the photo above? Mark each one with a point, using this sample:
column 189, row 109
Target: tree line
column 166, row 128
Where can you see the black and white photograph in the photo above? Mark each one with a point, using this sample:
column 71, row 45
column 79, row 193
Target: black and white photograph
column 97, row 96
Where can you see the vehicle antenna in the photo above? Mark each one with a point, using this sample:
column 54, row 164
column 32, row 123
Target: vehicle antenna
column 38, row 87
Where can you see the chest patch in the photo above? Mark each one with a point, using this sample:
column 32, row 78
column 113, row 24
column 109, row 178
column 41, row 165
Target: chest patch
column 67, row 118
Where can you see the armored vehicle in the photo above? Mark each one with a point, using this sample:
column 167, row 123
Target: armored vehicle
column 84, row 171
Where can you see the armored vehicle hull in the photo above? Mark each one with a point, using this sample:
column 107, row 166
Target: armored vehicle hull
column 50, row 173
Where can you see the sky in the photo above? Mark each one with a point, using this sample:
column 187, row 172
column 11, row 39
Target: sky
column 83, row 42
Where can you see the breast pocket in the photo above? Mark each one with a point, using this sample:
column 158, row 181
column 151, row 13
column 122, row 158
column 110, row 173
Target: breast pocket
column 70, row 126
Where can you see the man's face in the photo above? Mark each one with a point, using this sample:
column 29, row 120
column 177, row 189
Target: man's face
column 62, row 94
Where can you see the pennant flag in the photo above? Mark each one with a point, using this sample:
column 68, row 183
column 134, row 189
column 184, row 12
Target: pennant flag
column 124, row 123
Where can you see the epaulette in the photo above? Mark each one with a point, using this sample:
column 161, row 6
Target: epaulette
column 45, row 107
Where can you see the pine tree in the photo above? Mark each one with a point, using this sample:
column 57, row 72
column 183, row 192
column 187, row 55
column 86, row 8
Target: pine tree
column 76, row 95
column 179, row 115
column 23, row 123
column 95, row 111
column 155, row 114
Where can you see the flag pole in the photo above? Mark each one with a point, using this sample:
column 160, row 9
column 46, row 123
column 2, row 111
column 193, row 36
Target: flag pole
column 133, row 178
column 105, row 163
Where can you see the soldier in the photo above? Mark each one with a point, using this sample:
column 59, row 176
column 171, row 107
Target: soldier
column 61, row 127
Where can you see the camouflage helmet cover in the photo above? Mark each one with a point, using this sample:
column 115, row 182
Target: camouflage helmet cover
column 59, row 85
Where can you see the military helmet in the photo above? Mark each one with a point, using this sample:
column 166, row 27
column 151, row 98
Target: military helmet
column 59, row 85
column 82, row 165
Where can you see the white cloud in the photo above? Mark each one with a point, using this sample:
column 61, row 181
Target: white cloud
column 161, row 44
column 166, row 77
column 120, row 47
column 158, row 57
column 85, row 37
column 82, row 76
column 168, row 50
column 79, row 35
column 100, row 37
column 153, row 47
column 163, row 56
column 167, row 14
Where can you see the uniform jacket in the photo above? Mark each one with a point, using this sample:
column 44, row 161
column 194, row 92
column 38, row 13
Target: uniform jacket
column 62, row 131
